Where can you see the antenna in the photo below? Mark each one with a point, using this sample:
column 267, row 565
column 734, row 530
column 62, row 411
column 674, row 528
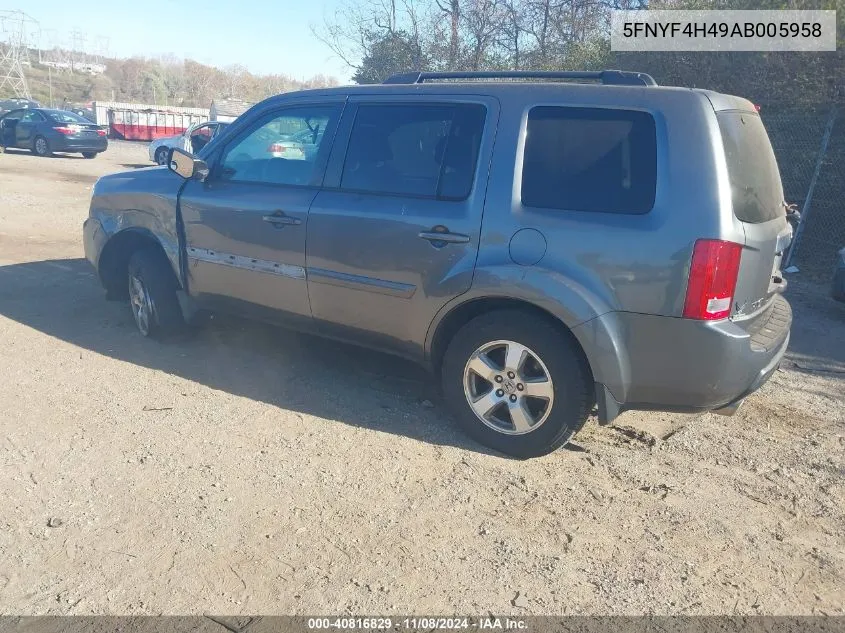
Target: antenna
column 18, row 32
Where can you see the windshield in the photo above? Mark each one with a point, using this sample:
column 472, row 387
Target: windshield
column 756, row 189
column 62, row 116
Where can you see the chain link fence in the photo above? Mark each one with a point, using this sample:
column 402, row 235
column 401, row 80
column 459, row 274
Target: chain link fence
column 809, row 142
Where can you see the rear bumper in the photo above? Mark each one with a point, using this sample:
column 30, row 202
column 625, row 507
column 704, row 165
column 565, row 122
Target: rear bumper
column 673, row 364
column 762, row 377
column 65, row 144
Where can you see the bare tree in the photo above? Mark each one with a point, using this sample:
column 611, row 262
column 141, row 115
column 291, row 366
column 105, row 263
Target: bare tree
column 512, row 31
column 472, row 34
column 452, row 10
column 482, row 20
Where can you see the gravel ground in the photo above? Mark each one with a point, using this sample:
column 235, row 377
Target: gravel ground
column 247, row 469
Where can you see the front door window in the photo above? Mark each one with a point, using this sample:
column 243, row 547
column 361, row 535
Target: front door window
column 287, row 149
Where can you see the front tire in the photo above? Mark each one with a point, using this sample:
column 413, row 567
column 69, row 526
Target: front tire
column 517, row 383
column 161, row 156
column 40, row 147
column 89, row 155
column 152, row 295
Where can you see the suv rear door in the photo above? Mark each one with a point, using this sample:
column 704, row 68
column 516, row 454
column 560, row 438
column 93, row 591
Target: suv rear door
column 393, row 234
column 757, row 199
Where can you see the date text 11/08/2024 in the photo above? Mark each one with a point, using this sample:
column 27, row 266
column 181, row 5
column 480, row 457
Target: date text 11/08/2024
column 415, row 623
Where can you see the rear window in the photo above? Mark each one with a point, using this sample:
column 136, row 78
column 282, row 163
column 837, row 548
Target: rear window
column 756, row 190
column 63, row 116
column 590, row 159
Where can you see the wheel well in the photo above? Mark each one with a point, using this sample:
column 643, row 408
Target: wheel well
column 114, row 260
column 464, row 313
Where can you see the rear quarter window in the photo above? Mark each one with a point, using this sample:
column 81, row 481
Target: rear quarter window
column 756, row 190
column 590, row 159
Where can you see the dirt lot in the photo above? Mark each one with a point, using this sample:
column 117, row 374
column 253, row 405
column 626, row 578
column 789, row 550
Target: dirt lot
column 252, row 470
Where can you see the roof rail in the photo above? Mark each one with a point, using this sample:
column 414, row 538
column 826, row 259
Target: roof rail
column 606, row 77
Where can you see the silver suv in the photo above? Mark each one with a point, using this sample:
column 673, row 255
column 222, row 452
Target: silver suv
column 546, row 243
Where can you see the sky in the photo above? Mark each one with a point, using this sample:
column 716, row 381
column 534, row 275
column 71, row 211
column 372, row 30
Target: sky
column 265, row 36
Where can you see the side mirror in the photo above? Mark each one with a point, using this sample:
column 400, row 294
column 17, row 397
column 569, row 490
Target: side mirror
column 793, row 216
column 187, row 165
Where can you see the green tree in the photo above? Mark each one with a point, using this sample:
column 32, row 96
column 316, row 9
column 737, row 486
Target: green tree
column 389, row 54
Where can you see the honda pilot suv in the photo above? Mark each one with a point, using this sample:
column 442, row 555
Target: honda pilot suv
column 547, row 243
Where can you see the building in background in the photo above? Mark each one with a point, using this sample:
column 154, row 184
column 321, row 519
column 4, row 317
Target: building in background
column 227, row 110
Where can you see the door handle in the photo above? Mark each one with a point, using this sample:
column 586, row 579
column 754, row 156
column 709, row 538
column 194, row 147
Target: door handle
column 280, row 219
column 442, row 235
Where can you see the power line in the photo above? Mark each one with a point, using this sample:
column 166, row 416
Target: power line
column 18, row 33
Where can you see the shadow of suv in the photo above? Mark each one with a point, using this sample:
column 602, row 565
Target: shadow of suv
column 543, row 242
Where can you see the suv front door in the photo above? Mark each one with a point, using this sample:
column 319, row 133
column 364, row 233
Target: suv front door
column 245, row 225
column 393, row 234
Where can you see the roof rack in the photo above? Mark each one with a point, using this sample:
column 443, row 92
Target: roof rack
column 606, row 77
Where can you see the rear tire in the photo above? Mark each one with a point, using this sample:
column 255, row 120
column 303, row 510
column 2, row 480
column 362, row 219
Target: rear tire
column 40, row 147
column 161, row 156
column 533, row 405
column 152, row 295
column 89, row 155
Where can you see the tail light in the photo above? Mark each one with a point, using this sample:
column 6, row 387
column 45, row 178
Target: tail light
column 276, row 148
column 101, row 132
column 712, row 279
column 66, row 130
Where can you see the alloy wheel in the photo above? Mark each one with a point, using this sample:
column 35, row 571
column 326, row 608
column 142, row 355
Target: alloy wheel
column 142, row 305
column 508, row 387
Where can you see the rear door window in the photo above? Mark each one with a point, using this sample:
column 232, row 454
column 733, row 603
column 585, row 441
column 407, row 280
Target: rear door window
column 590, row 159
column 756, row 189
column 423, row 150
column 32, row 117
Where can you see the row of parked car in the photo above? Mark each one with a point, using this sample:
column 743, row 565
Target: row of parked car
column 24, row 124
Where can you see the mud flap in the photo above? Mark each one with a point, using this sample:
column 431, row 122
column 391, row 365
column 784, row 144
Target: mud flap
column 187, row 305
column 729, row 409
column 609, row 408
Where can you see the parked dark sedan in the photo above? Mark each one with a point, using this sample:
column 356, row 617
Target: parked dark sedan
column 46, row 131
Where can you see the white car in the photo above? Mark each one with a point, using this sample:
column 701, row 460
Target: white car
column 191, row 140
column 300, row 145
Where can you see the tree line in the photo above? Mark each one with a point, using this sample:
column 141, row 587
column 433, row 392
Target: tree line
column 164, row 81
column 377, row 38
